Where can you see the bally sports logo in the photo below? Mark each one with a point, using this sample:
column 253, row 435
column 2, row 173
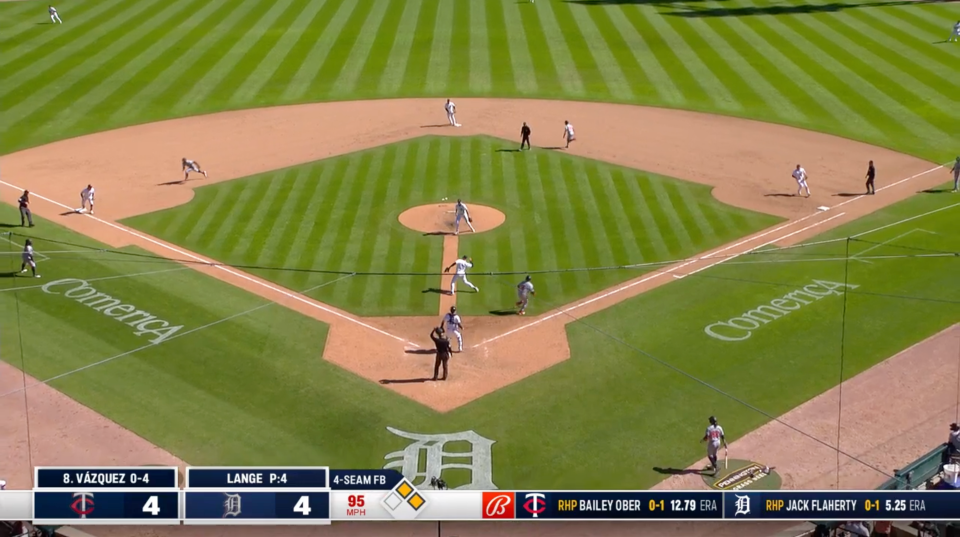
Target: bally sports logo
column 498, row 505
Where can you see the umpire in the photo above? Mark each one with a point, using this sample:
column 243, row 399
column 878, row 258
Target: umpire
column 25, row 215
column 443, row 352
column 524, row 136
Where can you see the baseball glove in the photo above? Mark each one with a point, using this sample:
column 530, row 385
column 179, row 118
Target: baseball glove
column 470, row 219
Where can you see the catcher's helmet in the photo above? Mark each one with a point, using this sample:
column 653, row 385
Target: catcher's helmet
column 713, row 420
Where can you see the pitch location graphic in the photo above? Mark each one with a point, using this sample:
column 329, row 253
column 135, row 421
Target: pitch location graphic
column 404, row 501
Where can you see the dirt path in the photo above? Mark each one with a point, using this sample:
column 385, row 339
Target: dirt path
column 747, row 162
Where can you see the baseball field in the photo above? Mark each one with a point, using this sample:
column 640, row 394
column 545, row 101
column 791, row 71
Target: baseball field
column 278, row 311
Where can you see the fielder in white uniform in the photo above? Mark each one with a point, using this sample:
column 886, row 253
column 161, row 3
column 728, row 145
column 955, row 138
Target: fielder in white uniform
column 801, row 176
column 191, row 166
column 54, row 16
column 451, row 109
column 524, row 292
column 568, row 134
column 462, row 213
column 86, row 197
column 453, row 325
column 27, row 259
column 714, row 439
column 955, row 35
column 461, row 274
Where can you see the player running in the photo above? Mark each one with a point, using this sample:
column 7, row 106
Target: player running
column 27, row 259
column 461, row 274
column 714, row 438
column 190, row 166
column 524, row 292
column 801, row 177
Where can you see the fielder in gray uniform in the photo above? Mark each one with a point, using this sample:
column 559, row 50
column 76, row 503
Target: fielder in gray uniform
column 714, row 439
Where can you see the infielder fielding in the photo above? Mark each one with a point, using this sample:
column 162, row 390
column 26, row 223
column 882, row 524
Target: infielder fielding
column 27, row 259
column 86, row 197
column 191, row 166
column 568, row 134
column 462, row 213
column 461, row 274
column 955, row 34
column 54, row 16
column 453, row 325
column 451, row 109
column 801, row 176
column 714, row 438
column 524, row 292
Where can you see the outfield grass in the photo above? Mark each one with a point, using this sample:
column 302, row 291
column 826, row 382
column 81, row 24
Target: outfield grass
column 868, row 70
column 563, row 213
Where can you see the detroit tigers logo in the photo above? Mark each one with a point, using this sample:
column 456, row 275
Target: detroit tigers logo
column 426, row 457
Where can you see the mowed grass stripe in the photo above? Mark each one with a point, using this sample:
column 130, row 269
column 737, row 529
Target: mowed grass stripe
column 174, row 67
column 501, row 59
column 63, row 71
column 378, row 55
column 391, row 77
column 278, row 86
column 867, row 77
column 342, row 217
column 660, row 230
column 193, row 227
column 932, row 25
column 228, row 52
column 592, row 53
column 458, row 74
column 264, row 205
column 479, row 75
column 304, row 77
column 666, row 196
column 884, row 24
column 769, row 100
column 698, row 226
column 326, row 183
column 54, row 42
column 257, row 81
column 541, row 254
column 346, row 81
column 438, row 67
column 644, row 62
column 288, row 218
column 358, row 253
column 229, row 218
column 122, row 69
column 557, row 202
column 567, row 74
column 789, row 79
column 581, row 177
column 379, row 255
column 419, row 59
column 616, row 222
column 868, row 116
column 636, row 78
column 394, row 241
column 528, row 42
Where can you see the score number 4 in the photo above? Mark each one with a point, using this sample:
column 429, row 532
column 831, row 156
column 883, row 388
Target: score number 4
column 152, row 506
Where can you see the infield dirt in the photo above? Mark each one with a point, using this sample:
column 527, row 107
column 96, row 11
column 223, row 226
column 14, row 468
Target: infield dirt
column 748, row 163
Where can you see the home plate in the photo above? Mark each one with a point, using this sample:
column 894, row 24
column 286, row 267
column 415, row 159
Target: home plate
column 823, row 208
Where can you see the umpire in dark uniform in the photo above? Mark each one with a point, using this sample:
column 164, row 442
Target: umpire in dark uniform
column 25, row 215
column 443, row 352
column 524, row 136
column 871, row 175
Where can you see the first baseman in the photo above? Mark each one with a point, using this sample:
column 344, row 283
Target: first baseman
column 462, row 213
column 524, row 292
column 453, row 325
column 27, row 259
column 54, row 16
column 451, row 109
column 461, row 274
column 801, row 176
column 86, row 197
column 714, row 438
column 190, row 166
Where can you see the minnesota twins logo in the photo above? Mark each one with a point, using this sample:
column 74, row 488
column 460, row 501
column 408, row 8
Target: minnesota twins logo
column 83, row 504
column 536, row 503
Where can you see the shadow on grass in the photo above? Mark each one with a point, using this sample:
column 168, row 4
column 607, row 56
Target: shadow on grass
column 690, row 9
column 503, row 312
column 435, row 290
column 935, row 191
column 508, row 150
column 405, row 381
column 12, row 274
column 677, row 471
column 4, row 224
column 436, row 233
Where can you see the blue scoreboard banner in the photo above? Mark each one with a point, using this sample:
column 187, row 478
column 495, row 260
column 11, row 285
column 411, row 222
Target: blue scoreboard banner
column 878, row 505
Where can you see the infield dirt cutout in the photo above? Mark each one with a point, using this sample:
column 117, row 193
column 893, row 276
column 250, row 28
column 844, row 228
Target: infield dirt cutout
column 747, row 162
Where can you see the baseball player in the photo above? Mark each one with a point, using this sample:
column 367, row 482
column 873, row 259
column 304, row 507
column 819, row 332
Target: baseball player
column 86, row 197
column 191, row 166
column 714, row 438
column 451, row 109
column 461, row 274
column 462, row 213
column 54, row 16
column 524, row 136
column 524, row 292
column 568, row 133
column 27, row 259
column 955, row 170
column 801, row 176
column 871, row 175
column 25, row 214
column 453, row 325
column 955, row 35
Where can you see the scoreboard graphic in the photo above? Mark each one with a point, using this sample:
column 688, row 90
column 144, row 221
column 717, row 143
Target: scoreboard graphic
column 318, row 495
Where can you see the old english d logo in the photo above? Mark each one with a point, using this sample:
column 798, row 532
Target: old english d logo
column 534, row 504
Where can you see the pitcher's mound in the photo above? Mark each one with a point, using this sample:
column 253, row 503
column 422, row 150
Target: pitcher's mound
column 440, row 218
